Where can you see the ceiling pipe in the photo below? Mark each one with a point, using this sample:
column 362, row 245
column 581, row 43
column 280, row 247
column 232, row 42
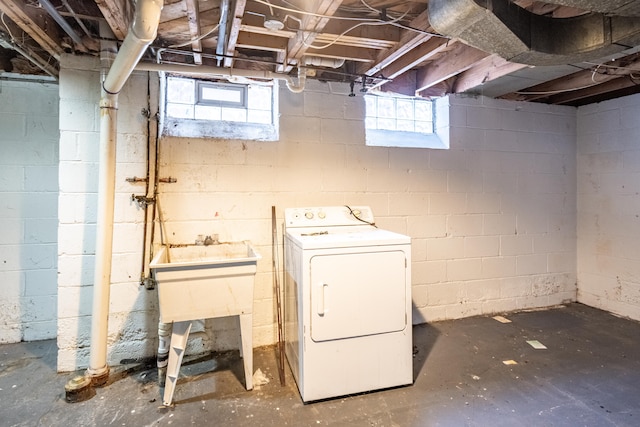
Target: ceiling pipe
column 142, row 32
column 222, row 31
column 228, row 73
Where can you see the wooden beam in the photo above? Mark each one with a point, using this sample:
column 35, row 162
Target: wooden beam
column 346, row 52
column 413, row 58
column 261, row 42
column 581, row 80
column 34, row 22
column 237, row 9
column 408, row 41
column 34, row 54
column 322, row 38
column 176, row 31
column 460, row 58
column 312, row 25
column 617, row 83
column 279, row 44
column 261, row 30
column 357, row 42
column 193, row 18
column 488, row 69
column 118, row 15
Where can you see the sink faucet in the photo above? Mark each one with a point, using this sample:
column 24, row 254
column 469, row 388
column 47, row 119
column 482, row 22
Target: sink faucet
column 211, row 241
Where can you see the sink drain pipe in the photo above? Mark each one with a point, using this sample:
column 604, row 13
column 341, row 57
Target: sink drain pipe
column 142, row 32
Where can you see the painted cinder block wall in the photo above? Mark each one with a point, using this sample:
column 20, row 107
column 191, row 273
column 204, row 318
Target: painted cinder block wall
column 28, row 210
column 133, row 311
column 608, row 248
column 492, row 220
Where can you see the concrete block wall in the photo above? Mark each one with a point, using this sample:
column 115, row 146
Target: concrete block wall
column 133, row 314
column 609, row 206
column 28, row 210
column 495, row 226
column 492, row 219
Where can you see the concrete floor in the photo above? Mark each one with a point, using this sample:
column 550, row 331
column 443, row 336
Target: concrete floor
column 589, row 375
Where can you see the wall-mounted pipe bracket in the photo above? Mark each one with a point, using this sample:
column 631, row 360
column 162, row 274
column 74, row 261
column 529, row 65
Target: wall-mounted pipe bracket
column 136, row 179
column 143, row 201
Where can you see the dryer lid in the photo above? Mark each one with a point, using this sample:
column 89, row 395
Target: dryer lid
column 344, row 237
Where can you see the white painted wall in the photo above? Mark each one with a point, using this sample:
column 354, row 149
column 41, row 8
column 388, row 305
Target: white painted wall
column 133, row 316
column 492, row 219
column 496, row 230
column 609, row 206
column 28, row 210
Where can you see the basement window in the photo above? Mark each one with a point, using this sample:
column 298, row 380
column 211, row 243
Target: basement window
column 397, row 121
column 196, row 108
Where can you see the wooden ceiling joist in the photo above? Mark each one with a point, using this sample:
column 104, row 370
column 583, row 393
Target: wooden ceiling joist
column 357, row 55
column 193, row 18
column 413, row 58
column 618, row 83
column 390, row 43
column 34, row 22
column 488, row 69
column 237, row 8
column 584, row 82
column 313, row 25
column 117, row 14
column 408, row 41
column 458, row 59
column 261, row 42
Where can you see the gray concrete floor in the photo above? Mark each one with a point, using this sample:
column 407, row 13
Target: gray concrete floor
column 589, row 375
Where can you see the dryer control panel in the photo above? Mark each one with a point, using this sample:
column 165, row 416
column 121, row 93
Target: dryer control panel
column 328, row 216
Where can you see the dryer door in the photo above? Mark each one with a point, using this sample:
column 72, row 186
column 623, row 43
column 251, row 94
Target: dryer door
column 358, row 294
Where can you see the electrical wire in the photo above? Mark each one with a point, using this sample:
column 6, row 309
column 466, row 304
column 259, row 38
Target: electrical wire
column 593, row 74
column 270, row 7
column 318, row 15
column 345, row 32
column 554, row 92
column 346, row 18
column 13, row 39
column 602, row 64
column 353, row 214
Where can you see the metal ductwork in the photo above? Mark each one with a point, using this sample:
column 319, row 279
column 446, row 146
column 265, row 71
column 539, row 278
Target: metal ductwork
column 506, row 29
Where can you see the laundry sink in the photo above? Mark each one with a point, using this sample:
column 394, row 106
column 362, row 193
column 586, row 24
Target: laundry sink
column 200, row 282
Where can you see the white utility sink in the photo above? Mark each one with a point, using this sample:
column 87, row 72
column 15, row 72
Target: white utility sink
column 201, row 282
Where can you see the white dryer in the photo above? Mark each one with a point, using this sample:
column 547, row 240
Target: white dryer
column 347, row 302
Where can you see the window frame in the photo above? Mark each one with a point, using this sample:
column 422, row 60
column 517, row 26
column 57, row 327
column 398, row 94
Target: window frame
column 203, row 84
column 218, row 129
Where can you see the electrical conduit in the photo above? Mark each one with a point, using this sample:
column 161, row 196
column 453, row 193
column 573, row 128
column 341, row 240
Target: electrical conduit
column 142, row 32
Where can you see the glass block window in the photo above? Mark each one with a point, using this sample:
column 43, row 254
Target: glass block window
column 396, row 121
column 401, row 114
column 242, row 111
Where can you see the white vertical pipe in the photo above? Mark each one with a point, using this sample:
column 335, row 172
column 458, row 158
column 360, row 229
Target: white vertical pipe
column 142, row 33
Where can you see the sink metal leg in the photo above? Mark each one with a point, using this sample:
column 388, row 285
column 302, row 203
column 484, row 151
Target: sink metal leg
column 179, row 337
column 246, row 349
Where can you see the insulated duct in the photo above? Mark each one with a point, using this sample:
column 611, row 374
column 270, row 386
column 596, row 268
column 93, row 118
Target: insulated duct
column 506, row 29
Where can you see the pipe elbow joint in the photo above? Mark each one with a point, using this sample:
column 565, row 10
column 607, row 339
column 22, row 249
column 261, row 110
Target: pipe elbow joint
column 302, row 79
column 146, row 19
